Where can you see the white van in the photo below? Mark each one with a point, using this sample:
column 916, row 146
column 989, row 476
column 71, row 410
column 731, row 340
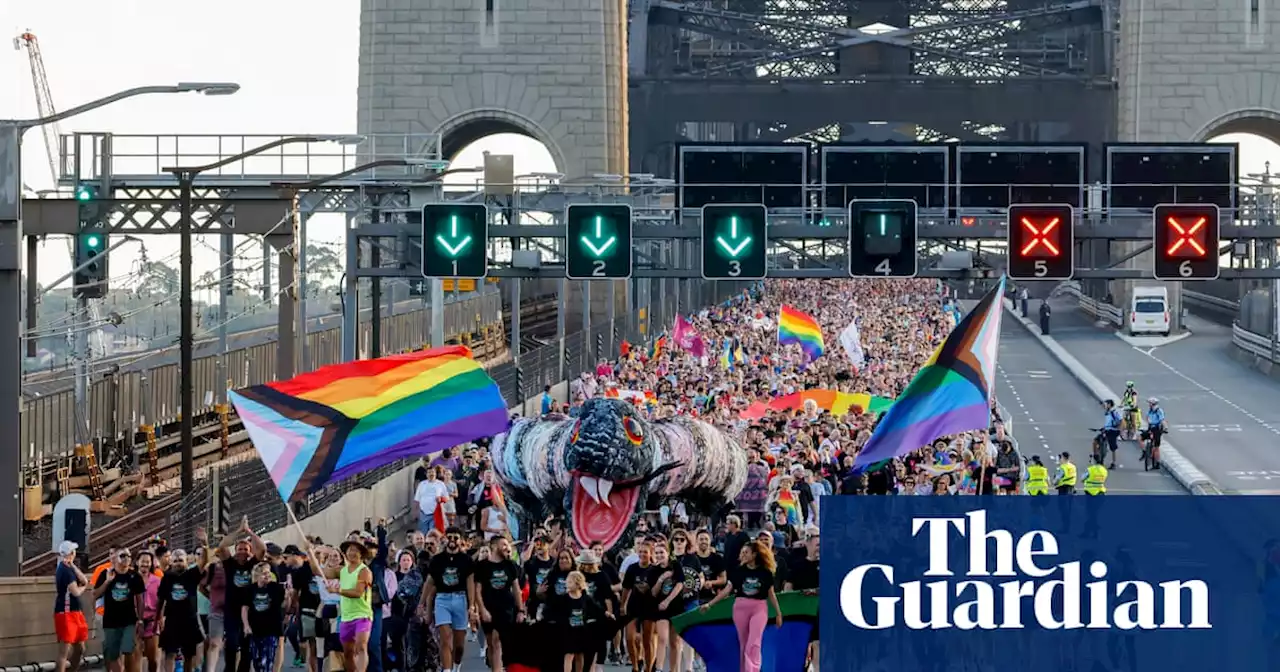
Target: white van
column 1149, row 311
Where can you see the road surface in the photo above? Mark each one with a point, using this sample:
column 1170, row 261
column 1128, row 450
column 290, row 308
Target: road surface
column 1052, row 412
column 1223, row 415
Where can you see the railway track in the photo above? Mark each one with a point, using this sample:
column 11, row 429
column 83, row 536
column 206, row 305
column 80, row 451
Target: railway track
column 136, row 527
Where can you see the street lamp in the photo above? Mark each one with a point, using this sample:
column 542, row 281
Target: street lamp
column 11, row 132
column 186, row 177
column 293, row 188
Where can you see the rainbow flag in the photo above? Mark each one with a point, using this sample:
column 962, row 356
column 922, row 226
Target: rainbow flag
column 796, row 327
column 950, row 394
column 839, row 403
column 787, row 502
column 341, row 420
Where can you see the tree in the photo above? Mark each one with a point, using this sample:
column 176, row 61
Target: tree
column 323, row 265
column 158, row 278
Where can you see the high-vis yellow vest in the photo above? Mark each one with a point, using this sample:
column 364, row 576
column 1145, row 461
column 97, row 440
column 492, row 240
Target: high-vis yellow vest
column 1095, row 481
column 1037, row 480
column 1068, row 472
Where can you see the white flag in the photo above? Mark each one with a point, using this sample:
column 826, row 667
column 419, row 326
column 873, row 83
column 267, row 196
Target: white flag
column 852, row 342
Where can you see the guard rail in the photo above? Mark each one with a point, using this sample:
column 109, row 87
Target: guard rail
column 1258, row 345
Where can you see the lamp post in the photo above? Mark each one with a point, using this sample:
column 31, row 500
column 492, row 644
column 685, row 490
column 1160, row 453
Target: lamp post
column 186, row 177
column 11, row 239
column 293, row 188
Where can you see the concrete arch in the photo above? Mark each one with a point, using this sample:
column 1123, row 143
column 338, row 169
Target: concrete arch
column 1264, row 123
column 464, row 128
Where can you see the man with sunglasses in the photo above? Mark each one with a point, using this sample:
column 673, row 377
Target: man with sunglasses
column 121, row 590
column 447, row 598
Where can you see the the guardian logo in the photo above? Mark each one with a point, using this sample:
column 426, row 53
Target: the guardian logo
column 985, row 603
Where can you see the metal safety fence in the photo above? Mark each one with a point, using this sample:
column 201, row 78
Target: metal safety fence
column 146, row 392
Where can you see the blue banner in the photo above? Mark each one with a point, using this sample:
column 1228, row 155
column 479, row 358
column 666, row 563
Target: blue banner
column 1085, row 584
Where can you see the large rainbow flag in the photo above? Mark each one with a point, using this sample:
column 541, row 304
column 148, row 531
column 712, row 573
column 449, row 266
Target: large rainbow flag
column 341, row 420
column 797, row 327
column 950, row 394
column 838, row 403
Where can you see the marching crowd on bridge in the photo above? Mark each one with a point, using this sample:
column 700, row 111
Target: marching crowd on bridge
column 534, row 598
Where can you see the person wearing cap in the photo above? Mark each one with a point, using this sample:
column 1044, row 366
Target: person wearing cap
column 68, row 615
column 121, row 590
column 599, row 588
column 304, row 601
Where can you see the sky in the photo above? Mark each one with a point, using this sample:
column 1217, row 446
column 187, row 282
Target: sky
column 296, row 61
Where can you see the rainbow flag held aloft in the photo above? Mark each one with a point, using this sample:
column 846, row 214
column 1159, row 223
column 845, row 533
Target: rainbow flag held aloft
column 950, row 394
column 797, row 327
column 341, row 420
column 838, row 403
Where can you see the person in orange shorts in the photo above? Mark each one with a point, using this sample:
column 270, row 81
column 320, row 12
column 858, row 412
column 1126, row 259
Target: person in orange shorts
column 68, row 614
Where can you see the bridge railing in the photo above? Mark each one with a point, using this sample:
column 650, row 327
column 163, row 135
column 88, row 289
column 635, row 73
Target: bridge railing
column 120, row 403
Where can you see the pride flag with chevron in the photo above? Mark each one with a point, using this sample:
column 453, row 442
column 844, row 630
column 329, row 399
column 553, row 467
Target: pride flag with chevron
column 341, row 420
column 950, row 394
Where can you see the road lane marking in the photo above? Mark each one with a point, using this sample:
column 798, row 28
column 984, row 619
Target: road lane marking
column 1215, row 394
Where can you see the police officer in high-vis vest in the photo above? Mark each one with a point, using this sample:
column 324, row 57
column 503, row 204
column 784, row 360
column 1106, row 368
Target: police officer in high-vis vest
column 1066, row 475
column 1037, row 477
column 1095, row 479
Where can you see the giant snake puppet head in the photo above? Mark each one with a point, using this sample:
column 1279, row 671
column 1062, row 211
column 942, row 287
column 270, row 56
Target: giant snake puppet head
column 605, row 467
column 612, row 459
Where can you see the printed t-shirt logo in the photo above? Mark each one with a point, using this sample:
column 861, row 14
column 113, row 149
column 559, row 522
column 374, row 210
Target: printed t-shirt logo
column 576, row 618
column 751, row 586
column 120, row 591
column 179, row 593
column 450, row 577
column 261, row 602
column 498, row 579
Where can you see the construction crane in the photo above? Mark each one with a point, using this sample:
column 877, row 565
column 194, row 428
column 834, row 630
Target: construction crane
column 44, row 97
column 90, row 314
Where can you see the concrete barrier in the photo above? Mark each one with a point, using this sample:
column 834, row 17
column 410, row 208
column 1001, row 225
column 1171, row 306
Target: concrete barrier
column 1171, row 460
column 26, row 622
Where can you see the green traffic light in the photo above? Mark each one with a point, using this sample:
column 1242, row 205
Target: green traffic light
column 84, row 194
column 93, row 242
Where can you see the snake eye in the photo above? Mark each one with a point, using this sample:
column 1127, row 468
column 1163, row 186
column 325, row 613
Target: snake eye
column 577, row 427
column 634, row 432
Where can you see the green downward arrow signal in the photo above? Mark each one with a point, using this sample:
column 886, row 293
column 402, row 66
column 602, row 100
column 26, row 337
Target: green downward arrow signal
column 599, row 244
column 452, row 245
column 734, row 246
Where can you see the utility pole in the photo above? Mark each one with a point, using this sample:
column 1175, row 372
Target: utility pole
column 11, row 244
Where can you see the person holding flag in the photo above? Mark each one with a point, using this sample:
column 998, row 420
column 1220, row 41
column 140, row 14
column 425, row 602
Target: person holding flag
column 428, row 502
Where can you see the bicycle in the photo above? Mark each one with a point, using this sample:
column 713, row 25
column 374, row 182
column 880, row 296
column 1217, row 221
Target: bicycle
column 1100, row 445
column 1150, row 450
column 1129, row 423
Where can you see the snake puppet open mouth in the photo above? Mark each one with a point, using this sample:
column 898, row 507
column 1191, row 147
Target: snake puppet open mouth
column 607, row 466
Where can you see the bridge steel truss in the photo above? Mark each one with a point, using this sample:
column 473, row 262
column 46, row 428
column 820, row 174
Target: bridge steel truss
column 803, row 69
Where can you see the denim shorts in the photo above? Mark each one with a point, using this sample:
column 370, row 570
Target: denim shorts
column 451, row 610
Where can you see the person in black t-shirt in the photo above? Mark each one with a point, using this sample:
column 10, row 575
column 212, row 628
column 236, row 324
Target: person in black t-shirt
column 667, row 578
column 536, row 569
column 638, row 603
column 179, row 625
column 304, row 600
column 121, row 590
column 556, row 585
column 246, row 548
column 683, row 552
column 599, row 588
column 497, row 586
column 447, row 596
column 713, row 567
column 576, row 615
column 262, row 616
column 751, row 584
column 803, row 575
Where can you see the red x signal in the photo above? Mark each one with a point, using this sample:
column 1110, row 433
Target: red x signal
column 1187, row 237
column 1042, row 237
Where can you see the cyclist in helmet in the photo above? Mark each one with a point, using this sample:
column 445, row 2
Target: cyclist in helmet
column 1129, row 407
column 1155, row 425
